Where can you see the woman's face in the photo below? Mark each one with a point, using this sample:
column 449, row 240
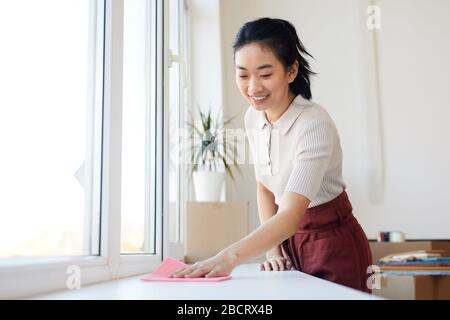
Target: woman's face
column 262, row 78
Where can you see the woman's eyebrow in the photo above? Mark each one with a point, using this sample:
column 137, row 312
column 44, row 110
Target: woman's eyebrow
column 264, row 66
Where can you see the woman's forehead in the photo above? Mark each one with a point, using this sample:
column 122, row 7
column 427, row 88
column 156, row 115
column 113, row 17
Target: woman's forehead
column 254, row 56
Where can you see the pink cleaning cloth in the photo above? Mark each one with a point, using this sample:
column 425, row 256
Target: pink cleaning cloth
column 170, row 266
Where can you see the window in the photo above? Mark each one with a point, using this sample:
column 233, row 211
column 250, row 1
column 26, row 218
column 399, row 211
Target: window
column 50, row 128
column 81, row 121
column 138, row 128
column 178, row 101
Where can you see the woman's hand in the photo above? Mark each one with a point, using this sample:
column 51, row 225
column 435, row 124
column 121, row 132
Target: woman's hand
column 220, row 265
column 276, row 263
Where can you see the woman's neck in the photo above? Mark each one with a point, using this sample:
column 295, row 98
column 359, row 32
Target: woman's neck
column 273, row 114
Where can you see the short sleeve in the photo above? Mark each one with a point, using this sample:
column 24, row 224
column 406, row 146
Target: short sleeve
column 314, row 148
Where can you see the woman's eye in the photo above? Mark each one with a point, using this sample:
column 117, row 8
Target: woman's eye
column 242, row 77
column 266, row 75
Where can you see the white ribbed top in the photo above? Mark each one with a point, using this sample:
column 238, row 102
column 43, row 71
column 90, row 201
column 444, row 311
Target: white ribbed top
column 300, row 152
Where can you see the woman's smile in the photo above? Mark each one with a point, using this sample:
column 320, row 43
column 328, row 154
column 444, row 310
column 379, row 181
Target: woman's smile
column 259, row 100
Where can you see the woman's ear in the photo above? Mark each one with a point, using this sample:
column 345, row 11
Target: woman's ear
column 293, row 71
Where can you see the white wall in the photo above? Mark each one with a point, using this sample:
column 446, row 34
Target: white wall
column 414, row 51
column 414, row 98
column 206, row 54
column 206, row 60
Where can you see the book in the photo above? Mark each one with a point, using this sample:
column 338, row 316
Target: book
column 414, row 268
column 412, row 256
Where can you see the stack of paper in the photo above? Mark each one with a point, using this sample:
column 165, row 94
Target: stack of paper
column 412, row 256
column 420, row 261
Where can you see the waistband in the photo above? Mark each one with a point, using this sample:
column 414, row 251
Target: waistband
column 327, row 216
column 340, row 201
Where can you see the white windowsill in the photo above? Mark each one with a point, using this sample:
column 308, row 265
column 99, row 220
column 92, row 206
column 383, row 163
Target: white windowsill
column 247, row 283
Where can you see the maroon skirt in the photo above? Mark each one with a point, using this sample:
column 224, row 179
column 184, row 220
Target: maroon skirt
column 330, row 244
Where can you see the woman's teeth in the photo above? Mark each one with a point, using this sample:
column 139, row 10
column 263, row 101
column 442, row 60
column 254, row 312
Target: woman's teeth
column 259, row 98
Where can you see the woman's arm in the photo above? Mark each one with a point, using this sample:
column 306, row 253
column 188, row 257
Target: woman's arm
column 275, row 230
column 266, row 209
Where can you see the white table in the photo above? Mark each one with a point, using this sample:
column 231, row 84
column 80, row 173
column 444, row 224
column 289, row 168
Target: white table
column 248, row 283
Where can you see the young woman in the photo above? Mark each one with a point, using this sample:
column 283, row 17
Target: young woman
column 306, row 216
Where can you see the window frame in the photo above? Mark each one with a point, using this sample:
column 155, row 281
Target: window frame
column 28, row 277
column 181, row 59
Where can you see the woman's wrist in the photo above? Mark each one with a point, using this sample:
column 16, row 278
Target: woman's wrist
column 231, row 256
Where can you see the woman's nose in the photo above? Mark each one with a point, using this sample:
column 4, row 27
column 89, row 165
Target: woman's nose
column 254, row 86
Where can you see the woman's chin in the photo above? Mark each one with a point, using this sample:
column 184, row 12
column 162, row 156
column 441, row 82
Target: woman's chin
column 259, row 106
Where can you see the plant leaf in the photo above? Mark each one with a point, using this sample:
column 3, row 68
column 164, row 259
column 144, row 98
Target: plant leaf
column 227, row 167
column 230, row 120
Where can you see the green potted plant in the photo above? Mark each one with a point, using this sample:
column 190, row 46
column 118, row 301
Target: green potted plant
column 210, row 153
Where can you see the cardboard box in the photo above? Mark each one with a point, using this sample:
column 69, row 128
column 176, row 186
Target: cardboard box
column 213, row 226
column 381, row 249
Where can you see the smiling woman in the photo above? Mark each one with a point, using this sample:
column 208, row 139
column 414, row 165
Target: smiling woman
column 306, row 216
column 266, row 85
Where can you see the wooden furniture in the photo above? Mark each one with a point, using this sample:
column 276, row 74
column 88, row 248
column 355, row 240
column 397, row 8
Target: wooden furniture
column 381, row 249
column 212, row 226
column 419, row 287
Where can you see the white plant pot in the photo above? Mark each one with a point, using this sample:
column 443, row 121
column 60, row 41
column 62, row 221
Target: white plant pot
column 208, row 185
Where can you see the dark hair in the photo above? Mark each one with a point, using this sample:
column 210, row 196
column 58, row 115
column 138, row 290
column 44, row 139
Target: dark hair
column 281, row 37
